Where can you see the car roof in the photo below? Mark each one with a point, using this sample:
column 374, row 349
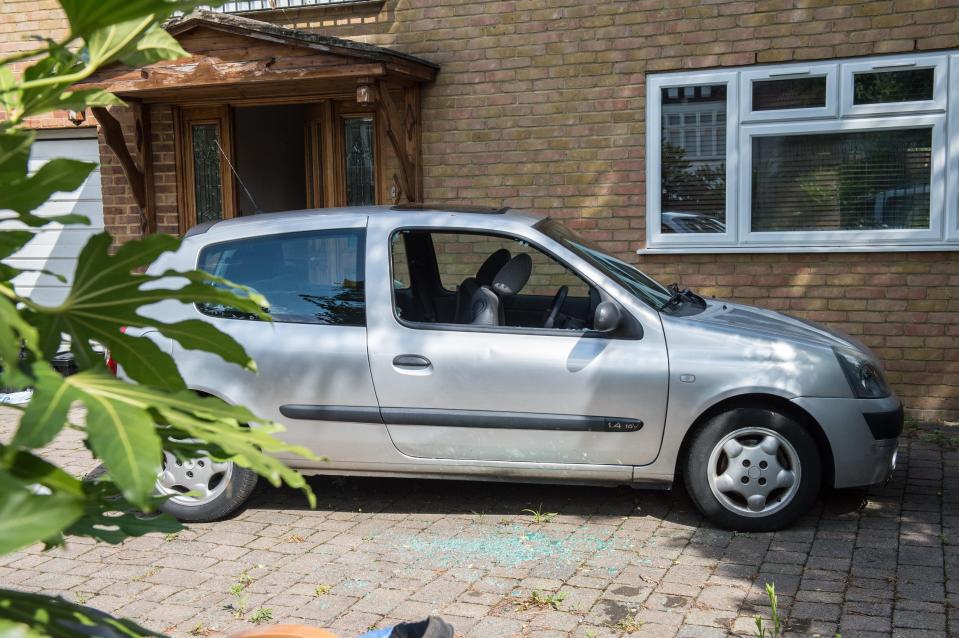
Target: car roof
column 407, row 213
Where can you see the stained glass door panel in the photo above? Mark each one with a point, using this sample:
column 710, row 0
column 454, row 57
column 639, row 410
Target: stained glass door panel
column 358, row 146
column 207, row 178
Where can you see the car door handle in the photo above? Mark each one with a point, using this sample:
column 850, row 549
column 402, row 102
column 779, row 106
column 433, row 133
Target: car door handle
column 411, row 361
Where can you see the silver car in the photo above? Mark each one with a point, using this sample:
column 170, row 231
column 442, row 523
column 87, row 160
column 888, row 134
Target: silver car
column 466, row 343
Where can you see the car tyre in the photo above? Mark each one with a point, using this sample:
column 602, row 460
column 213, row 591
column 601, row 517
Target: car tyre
column 752, row 469
column 201, row 490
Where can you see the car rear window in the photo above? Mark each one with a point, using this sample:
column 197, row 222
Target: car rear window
column 314, row 277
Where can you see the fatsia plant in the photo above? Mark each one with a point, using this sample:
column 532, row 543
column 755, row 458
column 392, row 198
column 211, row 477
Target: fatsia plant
column 127, row 424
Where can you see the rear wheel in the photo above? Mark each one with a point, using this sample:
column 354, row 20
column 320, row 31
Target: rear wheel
column 752, row 469
column 201, row 489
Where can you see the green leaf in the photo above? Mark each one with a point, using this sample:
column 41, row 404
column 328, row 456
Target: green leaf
column 26, row 517
column 46, row 414
column 31, row 469
column 30, row 192
column 10, row 629
column 222, row 429
column 107, row 515
column 9, row 93
column 14, row 153
column 109, row 43
column 107, row 294
column 85, row 16
column 13, row 240
column 58, row 618
column 14, row 330
column 155, row 45
column 124, row 438
column 58, row 98
column 109, row 518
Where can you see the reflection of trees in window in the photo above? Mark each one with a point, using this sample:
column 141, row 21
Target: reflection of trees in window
column 343, row 307
column 893, row 86
column 695, row 188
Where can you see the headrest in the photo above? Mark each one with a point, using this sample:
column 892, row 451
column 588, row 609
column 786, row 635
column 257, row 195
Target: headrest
column 491, row 266
column 513, row 276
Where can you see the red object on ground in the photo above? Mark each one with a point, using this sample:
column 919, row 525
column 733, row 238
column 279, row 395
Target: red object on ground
column 111, row 362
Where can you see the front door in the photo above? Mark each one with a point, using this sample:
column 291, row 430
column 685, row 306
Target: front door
column 237, row 160
column 515, row 392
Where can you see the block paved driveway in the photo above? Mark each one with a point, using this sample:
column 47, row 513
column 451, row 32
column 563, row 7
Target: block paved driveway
column 615, row 561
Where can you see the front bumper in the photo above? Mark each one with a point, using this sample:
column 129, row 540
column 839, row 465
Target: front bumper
column 863, row 435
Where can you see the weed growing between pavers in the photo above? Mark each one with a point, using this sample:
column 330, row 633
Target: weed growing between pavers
column 503, row 546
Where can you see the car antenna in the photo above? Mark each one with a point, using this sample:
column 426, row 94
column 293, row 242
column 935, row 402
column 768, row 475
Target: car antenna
column 256, row 209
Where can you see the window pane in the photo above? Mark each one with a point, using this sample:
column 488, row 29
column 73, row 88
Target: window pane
column 306, row 277
column 893, row 86
column 206, row 173
column 358, row 142
column 694, row 159
column 860, row 180
column 794, row 93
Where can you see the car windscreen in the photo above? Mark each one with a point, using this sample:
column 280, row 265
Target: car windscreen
column 629, row 277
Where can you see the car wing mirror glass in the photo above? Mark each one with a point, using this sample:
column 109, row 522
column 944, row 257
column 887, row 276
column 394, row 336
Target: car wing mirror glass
column 607, row 317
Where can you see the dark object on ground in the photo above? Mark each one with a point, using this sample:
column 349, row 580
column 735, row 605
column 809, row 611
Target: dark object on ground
column 432, row 627
column 64, row 363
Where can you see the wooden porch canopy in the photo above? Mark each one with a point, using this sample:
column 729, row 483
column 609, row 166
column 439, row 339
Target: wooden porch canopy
column 236, row 59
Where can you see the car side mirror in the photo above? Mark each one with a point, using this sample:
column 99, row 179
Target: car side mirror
column 607, row 317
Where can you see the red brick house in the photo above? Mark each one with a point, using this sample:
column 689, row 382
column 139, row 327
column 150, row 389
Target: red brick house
column 801, row 155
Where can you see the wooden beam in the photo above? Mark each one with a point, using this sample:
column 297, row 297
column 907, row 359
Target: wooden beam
column 144, row 144
column 397, row 137
column 414, row 138
column 113, row 134
column 200, row 73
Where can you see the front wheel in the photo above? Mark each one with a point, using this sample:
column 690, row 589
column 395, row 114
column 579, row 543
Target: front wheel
column 752, row 469
column 201, row 490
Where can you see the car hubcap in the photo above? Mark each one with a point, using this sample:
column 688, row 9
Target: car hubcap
column 754, row 472
column 203, row 478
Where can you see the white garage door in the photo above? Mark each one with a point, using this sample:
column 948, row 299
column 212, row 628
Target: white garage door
column 56, row 248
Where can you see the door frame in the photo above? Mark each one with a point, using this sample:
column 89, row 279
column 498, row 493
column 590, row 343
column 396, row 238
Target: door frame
column 184, row 120
column 324, row 151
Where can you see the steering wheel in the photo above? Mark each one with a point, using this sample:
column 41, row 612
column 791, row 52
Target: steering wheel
column 558, row 302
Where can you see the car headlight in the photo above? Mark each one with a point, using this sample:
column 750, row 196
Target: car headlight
column 865, row 378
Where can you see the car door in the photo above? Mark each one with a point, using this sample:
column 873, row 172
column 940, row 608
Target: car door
column 512, row 393
column 312, row 367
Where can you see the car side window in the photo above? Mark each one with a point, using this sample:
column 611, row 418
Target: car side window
column 312, row 277
column 552, row 298
column 460, row 255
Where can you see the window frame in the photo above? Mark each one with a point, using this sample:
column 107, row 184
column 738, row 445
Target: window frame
column 839, row 237
column 358, row 231
column 743, row 124
column 828, row 71
column 952, row 157
column 654, row 167
column 890, row 64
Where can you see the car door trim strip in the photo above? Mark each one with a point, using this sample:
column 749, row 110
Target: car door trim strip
column 491, row 419
column 346, row 413
column 507, row 420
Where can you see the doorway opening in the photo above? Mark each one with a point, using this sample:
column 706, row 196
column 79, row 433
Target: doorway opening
column 270, row 158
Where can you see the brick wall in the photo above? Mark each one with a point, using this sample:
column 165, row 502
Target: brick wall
column 20, row 19
column 540, row 104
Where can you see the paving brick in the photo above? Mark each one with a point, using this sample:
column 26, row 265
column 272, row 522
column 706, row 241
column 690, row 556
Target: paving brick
column 709, row 588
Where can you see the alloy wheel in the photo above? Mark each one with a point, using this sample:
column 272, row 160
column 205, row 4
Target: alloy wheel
column 754, row 472
column 194, row 481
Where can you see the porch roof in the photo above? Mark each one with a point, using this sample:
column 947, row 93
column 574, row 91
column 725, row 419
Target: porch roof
column 237, row 57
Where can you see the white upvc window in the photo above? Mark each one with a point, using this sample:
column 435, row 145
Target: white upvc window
column 857, row 155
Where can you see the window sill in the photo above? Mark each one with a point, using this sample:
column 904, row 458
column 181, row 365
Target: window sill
column 792, row 249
